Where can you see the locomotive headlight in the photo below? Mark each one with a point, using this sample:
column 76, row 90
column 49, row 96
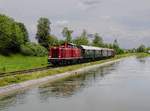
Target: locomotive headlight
column 59, row 56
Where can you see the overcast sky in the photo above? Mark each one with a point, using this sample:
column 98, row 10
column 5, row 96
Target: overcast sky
column 126, row 20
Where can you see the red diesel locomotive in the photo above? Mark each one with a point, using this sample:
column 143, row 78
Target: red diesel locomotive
column 69, row 53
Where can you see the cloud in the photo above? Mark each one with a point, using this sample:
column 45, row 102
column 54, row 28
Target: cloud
column 62, row 23
column 91, row 2
column 106, row 17
column 86, row 4
column 121, row 19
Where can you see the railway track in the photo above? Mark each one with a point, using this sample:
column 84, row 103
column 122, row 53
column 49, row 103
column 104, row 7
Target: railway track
column 13, row 73
column 5, row 74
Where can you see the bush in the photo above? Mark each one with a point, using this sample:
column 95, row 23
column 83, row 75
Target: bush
column 33, row 49
column 11, row 35
column 141, row 48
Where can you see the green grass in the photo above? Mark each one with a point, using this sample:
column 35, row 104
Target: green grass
column 24, row 77
column 141, row 55
column 20, row 62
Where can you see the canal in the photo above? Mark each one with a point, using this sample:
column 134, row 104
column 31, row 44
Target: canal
column 122, row 86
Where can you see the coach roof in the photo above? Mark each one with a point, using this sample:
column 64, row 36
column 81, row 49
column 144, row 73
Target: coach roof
column 93, row 48
column 90, row 47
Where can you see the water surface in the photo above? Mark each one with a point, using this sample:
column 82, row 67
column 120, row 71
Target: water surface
column 123, row 86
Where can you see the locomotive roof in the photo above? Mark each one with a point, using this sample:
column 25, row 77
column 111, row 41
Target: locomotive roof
column 93, row 48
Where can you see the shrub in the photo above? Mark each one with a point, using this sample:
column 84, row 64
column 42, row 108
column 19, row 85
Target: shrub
column 141, row 48
column 11, row 35
column 33, row 49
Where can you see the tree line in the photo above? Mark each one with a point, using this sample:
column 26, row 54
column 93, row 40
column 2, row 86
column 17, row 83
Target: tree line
column 140, row 49
column 14, row 38
column 46, row 39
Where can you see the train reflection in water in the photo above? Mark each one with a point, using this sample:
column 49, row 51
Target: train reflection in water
column 73, row 84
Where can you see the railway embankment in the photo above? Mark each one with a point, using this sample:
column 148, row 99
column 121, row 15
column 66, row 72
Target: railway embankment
column 19, row 82
column 17, row 62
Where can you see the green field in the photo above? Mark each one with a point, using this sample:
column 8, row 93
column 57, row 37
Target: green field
column 20, row 62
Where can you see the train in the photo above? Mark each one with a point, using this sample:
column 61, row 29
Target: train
column 69, row 53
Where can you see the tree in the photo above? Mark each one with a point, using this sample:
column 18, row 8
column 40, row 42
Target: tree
column 43, row 32
column 61, row 42
column 110, row 46
column 82, row 39
column 117, row 48
column 67, row 34
column 11, row 35
column 52, row 40
column 115, row 43
column 105, row 45
column 141, row 48
column 98, row 41
column 24, row 31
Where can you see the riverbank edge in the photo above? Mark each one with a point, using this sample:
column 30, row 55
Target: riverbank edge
column 6, row 90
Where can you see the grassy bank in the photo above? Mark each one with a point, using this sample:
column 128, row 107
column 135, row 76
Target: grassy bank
column 141, row 55
column 24, row 77
column 20, row 62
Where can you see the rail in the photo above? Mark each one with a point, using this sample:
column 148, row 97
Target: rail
column 5, row 74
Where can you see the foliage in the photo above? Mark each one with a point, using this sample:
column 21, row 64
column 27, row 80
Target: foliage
column 82, row 39
column 141, row 48
column 52, row 40
column 67, row 34
column 133, row 50
column 105, row 45
column 98, row 41
column 24, row 31
column 110, row 46
column 11, row 35
column 33, row 49
column 43, row 32
column 61, row 42
column 117, row 48
column 148, row 48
